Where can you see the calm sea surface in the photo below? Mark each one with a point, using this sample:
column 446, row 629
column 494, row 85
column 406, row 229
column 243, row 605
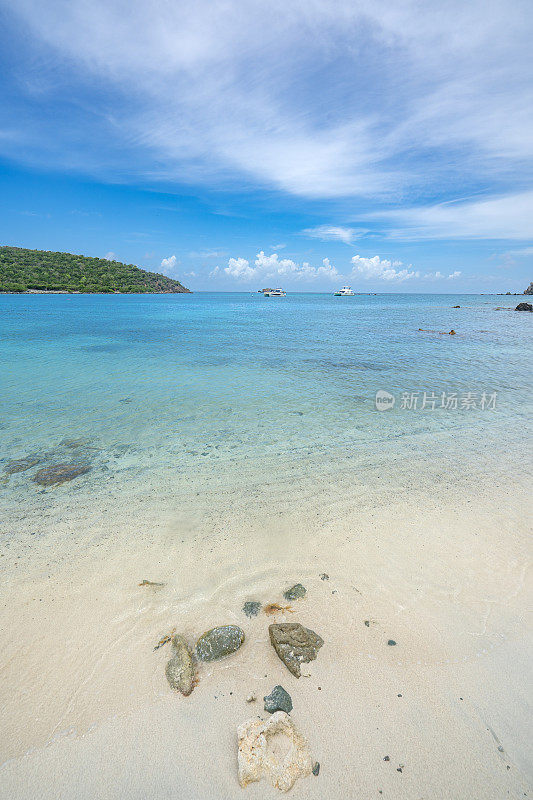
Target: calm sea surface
column 192, row 396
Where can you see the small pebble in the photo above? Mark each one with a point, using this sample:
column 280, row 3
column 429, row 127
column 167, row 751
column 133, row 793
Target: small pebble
column 391, row 642
column 324, row 576
column 367, row 623
column 251, row 608
column 251, row 698
column 387, row 758
column 316, row 768
column 295, row 592
column 278, row 700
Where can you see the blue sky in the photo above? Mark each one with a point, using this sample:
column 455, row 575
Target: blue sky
column 236, row 144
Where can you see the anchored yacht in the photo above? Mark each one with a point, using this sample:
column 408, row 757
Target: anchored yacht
column 346, row 291
column 275, row 293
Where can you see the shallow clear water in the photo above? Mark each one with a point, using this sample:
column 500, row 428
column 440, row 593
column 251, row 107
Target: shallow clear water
column 237, row 380
column 195, row 394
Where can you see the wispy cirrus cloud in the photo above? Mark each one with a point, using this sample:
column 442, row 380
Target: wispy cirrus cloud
column 494, row 217
column 182, row 92
column 332, row 233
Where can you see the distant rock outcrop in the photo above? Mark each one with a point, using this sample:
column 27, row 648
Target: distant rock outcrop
column 529, row 289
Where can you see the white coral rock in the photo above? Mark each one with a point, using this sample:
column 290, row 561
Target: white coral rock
column 273, row 749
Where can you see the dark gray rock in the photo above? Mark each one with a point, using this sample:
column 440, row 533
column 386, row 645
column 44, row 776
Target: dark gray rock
column 324, row 576
column 251, row 608
column 294, row 644
column 295, row 592
column 219, row 642
column 391, row 642
column 180, row 668
column 278, row 700
column 59, row 473
column 529, row 289
column 316, row 768
column 524, row 307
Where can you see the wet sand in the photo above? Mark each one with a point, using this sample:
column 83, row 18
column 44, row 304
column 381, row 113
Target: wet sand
column 87, row 711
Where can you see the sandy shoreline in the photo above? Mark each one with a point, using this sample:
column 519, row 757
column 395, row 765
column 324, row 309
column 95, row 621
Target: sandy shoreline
column 88, row 712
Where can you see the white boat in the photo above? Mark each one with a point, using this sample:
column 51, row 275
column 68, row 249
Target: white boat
column 346, row 291
column 275, row 293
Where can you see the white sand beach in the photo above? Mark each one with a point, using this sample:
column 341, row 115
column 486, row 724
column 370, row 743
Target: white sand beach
column 87, row 711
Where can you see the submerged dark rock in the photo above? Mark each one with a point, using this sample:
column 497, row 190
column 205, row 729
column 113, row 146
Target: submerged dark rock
column 75, row 443
column 524, row 307
column 219, row 642
column 22, row 464
column 294, row 644
column 278, row 700
column 252, row 608
column 295, row 592
column 59, row 473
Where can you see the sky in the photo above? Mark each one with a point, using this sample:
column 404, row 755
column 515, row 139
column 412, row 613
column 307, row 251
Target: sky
column 235, row 144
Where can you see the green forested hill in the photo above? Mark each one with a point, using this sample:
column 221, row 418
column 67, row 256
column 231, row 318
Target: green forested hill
column 22, row 270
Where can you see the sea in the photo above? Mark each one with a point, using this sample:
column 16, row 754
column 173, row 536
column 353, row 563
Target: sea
column 220, row 394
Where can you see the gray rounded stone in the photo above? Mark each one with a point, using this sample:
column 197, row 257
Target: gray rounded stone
column 219, row 642
column 278, row 700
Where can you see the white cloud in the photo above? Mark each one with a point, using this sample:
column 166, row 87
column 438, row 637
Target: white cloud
column 207, row 254
column 214, row 272
column 169, row 265
column 352, row 98
column 495, row 217
column 110, row 256
column 456, row 274
column 382, row 269
column 240, row 268
column 329, row 233
column 272, row 266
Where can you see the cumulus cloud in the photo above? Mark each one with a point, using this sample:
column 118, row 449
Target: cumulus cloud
column 382, row 269
column 240, row 268
column 331, row 233
column 110, row 256
column 272, row 266
column 438, row 275
column 168, row 265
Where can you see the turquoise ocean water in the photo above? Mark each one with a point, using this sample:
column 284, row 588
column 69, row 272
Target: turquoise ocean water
column 188, row 397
